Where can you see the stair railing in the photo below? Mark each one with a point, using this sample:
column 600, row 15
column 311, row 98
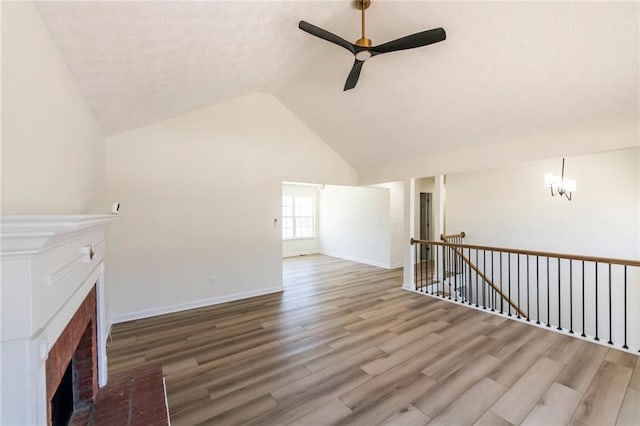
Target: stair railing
column 457, row 255
column 575, row 294
column 452, row 262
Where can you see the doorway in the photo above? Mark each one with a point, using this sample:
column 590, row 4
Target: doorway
column 425, row 223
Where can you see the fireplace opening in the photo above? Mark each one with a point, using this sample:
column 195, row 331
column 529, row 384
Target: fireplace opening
column 62, row 401
column 72, row 365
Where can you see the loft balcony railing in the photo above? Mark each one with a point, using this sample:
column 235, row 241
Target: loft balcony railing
column 596, row 298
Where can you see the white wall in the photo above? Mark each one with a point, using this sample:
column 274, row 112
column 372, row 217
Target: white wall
column 199, row 196
column 510, row 207
column 297, row 247
column 398, row 240
column 53, row 158
column 355, row 224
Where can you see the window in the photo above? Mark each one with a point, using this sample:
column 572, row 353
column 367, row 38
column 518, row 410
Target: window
column 297, row 217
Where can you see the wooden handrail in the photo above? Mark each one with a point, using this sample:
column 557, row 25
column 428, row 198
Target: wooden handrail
column 446, row 237
column 611, row 260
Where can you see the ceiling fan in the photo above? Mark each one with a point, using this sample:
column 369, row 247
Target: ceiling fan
column 363, row 50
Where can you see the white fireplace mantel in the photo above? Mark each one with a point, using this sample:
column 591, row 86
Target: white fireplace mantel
column 23, row 235
column 49, row 265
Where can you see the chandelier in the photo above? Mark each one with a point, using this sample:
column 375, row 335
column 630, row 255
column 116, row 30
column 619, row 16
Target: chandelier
column 559, row 184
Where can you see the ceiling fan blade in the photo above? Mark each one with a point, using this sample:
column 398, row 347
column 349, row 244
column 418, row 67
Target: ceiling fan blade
column 352, row 79
column 423, row 38
column 326, row 35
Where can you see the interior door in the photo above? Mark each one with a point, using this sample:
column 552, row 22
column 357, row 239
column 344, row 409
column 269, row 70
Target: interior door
column 425, row 223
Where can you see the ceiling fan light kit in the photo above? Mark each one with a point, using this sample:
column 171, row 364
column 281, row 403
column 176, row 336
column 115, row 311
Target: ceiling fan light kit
column 363, row 48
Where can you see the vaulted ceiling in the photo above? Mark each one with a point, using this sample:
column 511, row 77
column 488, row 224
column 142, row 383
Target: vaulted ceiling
column 506, row 70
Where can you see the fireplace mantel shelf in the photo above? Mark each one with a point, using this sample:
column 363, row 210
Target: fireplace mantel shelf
column 29, row 234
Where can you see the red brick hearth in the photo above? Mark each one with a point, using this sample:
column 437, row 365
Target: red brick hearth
column 133, row 399
column 78, row 341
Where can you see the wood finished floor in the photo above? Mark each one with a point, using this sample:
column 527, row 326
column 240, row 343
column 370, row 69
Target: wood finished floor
column 344, row 344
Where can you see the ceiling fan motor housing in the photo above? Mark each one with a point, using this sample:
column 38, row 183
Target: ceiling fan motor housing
column 364, row 42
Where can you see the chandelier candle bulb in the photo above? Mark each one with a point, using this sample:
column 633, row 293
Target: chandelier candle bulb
column 569, row 184
column 549, row 179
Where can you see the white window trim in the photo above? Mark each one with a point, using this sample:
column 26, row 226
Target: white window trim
column 314, row 208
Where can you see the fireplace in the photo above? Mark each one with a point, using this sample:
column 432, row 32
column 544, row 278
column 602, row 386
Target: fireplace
column 72, row 366
column 53, row 325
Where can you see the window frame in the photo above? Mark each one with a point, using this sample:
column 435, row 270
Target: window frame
column 293, row 217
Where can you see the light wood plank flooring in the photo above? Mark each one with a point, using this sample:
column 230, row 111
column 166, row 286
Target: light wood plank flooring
column 344, row 344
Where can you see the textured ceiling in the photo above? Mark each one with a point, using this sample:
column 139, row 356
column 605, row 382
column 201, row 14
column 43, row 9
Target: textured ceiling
column 140, row 62
column 506, row 70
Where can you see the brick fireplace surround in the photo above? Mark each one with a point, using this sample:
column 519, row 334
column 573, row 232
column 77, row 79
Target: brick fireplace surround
column 78, row 342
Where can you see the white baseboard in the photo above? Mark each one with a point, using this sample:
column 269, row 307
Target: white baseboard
column 146, row 313
column 359, row 260
column 408, row 286
column 299, row 253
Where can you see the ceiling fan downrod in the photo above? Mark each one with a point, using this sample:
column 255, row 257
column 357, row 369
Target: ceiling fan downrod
column 363, row 5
